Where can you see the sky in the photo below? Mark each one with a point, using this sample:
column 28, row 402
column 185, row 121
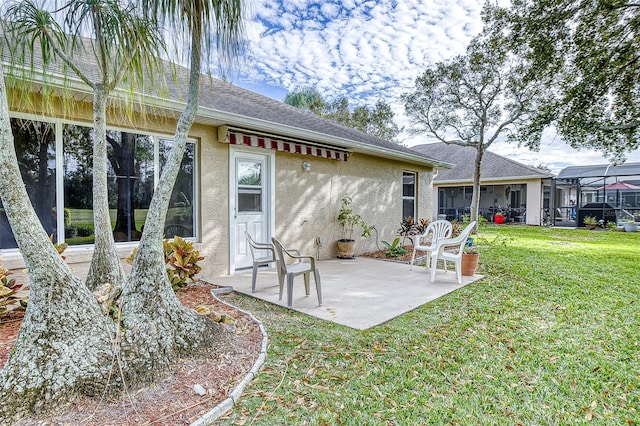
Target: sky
column 370, row 50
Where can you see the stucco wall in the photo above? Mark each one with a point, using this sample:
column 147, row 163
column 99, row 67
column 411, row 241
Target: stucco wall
column 307, row 203
column 214, row 202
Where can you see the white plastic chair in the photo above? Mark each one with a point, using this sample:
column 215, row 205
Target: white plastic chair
column 450, row 249
column 438, row 230
column 303, row 265
column 259, row 258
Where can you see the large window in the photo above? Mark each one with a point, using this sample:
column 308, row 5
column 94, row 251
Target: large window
column 180, row 217
column 35, row 149
column 134, row 163
column 408, row 194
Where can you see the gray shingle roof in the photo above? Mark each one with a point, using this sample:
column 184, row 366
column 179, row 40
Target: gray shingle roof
column 493, row 167
column 222, row 103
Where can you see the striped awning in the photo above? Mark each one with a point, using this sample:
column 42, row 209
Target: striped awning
column 284, row 145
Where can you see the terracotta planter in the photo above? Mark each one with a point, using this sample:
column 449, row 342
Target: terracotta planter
column 498, row 218
column 346, row 249
column 469, row 263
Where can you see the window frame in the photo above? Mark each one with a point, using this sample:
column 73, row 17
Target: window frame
column 414, row 197
column 59, row 124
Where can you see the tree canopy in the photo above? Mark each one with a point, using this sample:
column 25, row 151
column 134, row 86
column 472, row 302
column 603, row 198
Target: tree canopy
column 376, row 121
column 474, row 99
column 587, row 54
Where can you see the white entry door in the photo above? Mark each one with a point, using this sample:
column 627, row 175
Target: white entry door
column 250, row 202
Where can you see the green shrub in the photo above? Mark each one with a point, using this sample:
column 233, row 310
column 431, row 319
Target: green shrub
column 181, row 260
column 394, row 249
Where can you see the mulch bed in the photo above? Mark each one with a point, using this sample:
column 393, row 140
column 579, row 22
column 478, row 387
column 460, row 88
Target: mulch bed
column 172, row 401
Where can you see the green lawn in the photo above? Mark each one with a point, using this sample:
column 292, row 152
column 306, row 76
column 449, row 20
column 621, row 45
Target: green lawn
column 549, row 337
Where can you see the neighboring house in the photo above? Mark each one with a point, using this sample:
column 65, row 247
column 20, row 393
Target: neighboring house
column 516, row 190
column 254, row 164
column 607, row 192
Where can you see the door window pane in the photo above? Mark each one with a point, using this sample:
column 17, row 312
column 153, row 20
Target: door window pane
column 249, row 177
column 34, row 143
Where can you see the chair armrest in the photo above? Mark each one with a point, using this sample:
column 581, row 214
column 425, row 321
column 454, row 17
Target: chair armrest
column 443, row 243
column 298, row 256
column 263, row 246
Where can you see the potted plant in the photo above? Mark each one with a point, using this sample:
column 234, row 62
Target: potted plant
column 590, row 222
column 470, row 258
column 630, row 225
column 349, row 220
column 498, row 217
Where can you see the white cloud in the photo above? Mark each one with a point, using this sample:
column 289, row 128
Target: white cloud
column 367, row 50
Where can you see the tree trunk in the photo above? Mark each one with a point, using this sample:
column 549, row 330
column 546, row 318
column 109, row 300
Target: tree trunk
column 105, row 265
column 158, row 327
column 475, row 198
column 64, row 346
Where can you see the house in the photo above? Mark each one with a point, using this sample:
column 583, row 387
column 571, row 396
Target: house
column 520, row 192
column 253, row 164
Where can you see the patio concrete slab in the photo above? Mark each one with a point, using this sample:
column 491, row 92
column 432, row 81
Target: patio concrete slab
column 359, row 293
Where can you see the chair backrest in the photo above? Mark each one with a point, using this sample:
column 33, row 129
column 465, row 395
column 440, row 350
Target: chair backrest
column 440, row 229
column 254, row 246
column 466, row 231
column 280, row 252
column 279, row 248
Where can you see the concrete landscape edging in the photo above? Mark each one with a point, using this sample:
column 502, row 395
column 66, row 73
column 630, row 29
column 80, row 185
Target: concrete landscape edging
column 233, row 398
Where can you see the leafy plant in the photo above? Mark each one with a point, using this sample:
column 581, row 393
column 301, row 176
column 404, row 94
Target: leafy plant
column 590, row 220
column 456, row 228
column 14, row 296
column 466, row 219
column 470, row 249
column 409, row 227
column 60, row 247
column 181, row 259
column 349, row 220
column 394, row 249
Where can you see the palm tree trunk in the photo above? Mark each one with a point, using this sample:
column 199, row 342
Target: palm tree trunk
column 158, row 327
column 105, row 265
column 64, row 345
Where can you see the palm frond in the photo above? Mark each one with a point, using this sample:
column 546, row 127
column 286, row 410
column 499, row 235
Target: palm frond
column 218, row 23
